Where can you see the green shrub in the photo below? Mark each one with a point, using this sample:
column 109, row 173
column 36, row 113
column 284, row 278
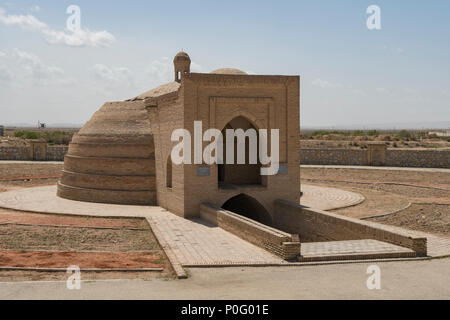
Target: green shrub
column 358, row 133
column 404, row 134
column 27, row 134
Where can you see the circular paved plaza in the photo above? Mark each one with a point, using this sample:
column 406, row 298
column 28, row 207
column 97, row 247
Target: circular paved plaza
column 45, row 200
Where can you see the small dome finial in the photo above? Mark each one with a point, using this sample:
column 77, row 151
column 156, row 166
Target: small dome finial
column 182, row 65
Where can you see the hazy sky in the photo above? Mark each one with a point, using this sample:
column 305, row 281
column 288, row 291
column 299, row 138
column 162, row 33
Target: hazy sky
column 349, row 74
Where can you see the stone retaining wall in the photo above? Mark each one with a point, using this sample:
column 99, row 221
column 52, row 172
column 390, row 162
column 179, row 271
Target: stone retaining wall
column 15, row 153
column 418, row 158
column 315, row 226
column 350, row 157
column 333, row 157
column 56, row 153
column 390, row 157
column 51, row 153
column 275, row 241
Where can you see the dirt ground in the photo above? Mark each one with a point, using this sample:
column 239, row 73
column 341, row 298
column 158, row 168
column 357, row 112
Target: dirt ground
column 26, row 239
column 18, row 237
column 422, row 198
column 19, row 276
column 54, row 241
column 422, row 217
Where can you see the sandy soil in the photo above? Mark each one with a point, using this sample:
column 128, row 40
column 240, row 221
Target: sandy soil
column 103, row 260
column 19, row 276
column 53, row 241
column 10, row 216
column 422, row 217
column 389, row 191
column 17, row 237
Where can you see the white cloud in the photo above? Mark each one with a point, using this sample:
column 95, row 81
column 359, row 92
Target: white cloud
column 21, row 66
column 326, row 84
column 396, row 50
column 382, row 90
column 112, row 75
column 5, row 74
column 161, row 70
column 78, row 38
column 35, row 9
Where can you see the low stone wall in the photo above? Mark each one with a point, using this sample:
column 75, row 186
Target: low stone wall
column 52, row 153
column 56, row 153
column 270, row 239
column 391, row 157
column 15, row 153
column 333, row 157
column 314, row 226
column 418, row 158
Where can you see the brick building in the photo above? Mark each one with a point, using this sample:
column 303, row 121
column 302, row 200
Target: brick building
column 123, row 154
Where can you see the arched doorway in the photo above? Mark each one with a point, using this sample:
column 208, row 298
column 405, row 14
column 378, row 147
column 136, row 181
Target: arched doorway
column 248, row 207
column 240, row 174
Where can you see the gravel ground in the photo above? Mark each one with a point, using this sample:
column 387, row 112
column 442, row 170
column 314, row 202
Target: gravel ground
column 16, row 237
column 422, row 217
column 430, row 209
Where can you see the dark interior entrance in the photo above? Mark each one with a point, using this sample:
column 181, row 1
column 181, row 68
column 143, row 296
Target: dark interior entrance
column 230, row 175
column 248, row 207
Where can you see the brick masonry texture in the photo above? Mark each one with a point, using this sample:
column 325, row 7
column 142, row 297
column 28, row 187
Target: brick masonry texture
column 316, row 226
column 275, row 241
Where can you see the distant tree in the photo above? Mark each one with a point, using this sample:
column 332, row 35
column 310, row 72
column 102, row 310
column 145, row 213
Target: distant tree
column 404, row 134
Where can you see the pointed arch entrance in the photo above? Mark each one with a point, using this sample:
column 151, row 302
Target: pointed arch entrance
column 240, row 174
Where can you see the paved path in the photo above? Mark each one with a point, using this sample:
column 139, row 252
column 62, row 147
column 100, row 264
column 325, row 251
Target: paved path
column 196, row 242
column 44, row 200
column 399, row 280
column 325, row 198
column 192, row 242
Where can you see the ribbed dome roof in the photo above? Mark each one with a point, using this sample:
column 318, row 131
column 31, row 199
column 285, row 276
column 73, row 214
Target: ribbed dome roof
column 228, row 71
column 159, row 91
column 112, row 158
column 118, row 119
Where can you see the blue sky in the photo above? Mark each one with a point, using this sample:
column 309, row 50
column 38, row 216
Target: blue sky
column 349, row 74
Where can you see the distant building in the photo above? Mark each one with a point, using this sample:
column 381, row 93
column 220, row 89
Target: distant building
column 122, row 155
column 440, row 133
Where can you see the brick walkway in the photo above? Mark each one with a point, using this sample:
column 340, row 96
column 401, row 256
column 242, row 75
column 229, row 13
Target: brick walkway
column 324, row 198
column 196, row 242
column 191, row 242
column 352, row 249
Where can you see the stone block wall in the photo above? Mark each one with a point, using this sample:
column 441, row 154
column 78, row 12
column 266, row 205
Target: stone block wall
column 392, row 158
column 15, row 153
column 56, row 153
column 314, row 226
column 52, row 153
column 275, row 241
column 333, row 157
column 418, row 158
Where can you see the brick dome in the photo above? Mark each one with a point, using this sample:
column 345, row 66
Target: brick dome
column 112, row 158
column 228, row 71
